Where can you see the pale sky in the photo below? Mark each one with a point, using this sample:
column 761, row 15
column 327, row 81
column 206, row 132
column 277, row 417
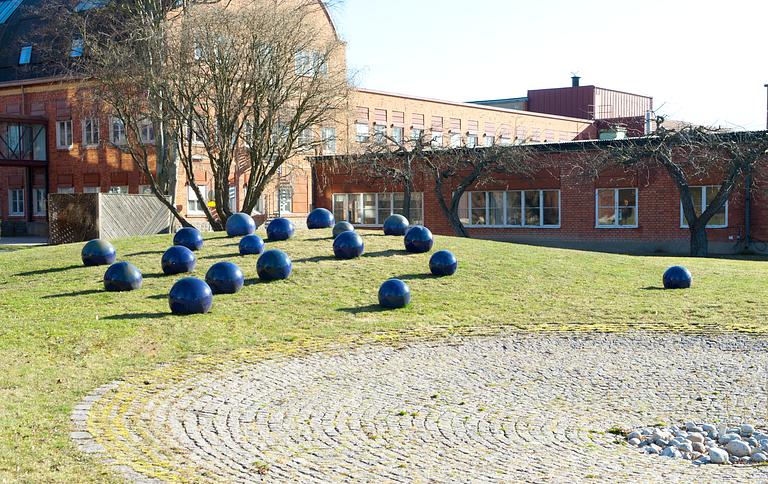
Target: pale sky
column 701, row 61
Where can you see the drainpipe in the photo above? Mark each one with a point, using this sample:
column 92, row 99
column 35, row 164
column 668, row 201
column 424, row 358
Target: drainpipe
column 748, row 209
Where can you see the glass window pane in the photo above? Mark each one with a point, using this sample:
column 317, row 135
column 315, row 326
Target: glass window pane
column 495, row 208
column 552, row 216
column 478, row 208
column 532, row 204
column 338, row 207
column 606, row 216
column 514, row 208
column 718, row 218
column 606, row 198
column 627, row 197
column 369, row 208
column 627, row 216
column 697, row 194
column 551, row 198
column 464, row 208
column 398, row 201
column 384, row 206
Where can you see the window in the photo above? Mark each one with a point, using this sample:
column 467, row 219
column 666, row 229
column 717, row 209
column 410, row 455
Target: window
column 361, row 132
column 518, row 208
column 25, row 56
column 437, row 140
column 39, row 201
column 285, row 199
column 64, row 134
column 65, row 189
column 233, row 199
column 303, row 60
column 374, row 208
column 397, row 134
column 616, row 207
column 488, row 140
column 455, row 140
column 471, row 140
column 380, row 134
column 16, row 201
column 90, row 132
column 195, row 205
column 77, row 49
column 416, row 134
column 89, row 4
column 329, row 140
column 147, row 131
column 305, row 139
column 91, row 189
column 117, row 131
column 702, row 197
column 118, row 189
column 145, row 190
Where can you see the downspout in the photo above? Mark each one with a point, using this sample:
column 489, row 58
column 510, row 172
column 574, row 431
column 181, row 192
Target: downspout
column 748, row 210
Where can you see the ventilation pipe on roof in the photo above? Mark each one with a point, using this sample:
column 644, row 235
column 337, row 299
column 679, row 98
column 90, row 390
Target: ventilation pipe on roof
column 575, row 80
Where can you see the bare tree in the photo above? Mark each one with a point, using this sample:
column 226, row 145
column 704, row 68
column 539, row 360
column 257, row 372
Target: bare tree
column 688, row 155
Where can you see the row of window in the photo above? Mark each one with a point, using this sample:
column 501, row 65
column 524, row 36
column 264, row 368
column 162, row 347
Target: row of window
column 614, row 208
column 374, row 208
column 383, row 135
column 91, row 134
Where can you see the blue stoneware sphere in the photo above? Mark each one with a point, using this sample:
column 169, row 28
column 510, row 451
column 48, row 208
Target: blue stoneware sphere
column 395, row 225
column 190, row 295
column 98, row 252
column 418, row 239
column 342, row 227
column 280, row 229
column 320, row 218
column 224, row 278
column 251, row 244
column 677, row 277
column 394, row 293
column 240, row 224
column 443, row 263
column 122, row 276
column 273, row 264
column 189, row 237
column 348, row 245
column 177, row 260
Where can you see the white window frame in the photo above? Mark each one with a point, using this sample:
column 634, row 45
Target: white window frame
column 362, row 132
column 122, row 139
column 66, row 126
column 505, row 198
column 285, row 199
column 232, row 198
column 455, row 140
column 90, row 136
column 39, row 209
column 18, row 200
column 147, row 131
column 488, row 140
column 192, row 197
column 305, row 139
column 684, row 223
column 471, row 140
column 65, row 189
column 616, row 207
column 118, row 189
column 91, row 189
column 145, row 190
column 398, row 133
column 360, row 213
column 329, row 140
column 380, row 133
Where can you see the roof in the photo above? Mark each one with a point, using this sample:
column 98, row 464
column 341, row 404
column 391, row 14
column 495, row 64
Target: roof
column 17, row 31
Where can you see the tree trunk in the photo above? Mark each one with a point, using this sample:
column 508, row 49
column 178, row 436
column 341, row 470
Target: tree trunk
column 407, row 190
column 699, row 242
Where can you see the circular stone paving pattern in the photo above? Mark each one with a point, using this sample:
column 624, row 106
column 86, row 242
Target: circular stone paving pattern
column 514, row 407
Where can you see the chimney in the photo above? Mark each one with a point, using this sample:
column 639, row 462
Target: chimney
column 575, row 81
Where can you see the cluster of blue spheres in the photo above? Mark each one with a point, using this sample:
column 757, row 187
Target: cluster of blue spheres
column 273, row 265
column 251, row 245
column 98, row 252
column 225, row 278
column 394, row 294
column 320, row 218
column 418, row 239
column 342, row 227
column 122, row 276
column 395, row 225
column 178, row 260
column 190, row 295
column 240, row 224
column 348, row 245
column 677, row 277
column 280, row 229
column 189, row 237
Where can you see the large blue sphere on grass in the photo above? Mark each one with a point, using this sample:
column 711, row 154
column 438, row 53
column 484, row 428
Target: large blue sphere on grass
column 342, row 227
column 189, row 237
column 677, row 277
column 443, row 263
column 320, row 218
column 122, row 276
column 240, row 224
column 177, row 260
column 394, row 293
column 418, row 239
column 280, row 229
column 273, row 265
column 98, row 252
column 190, row 295
column 251, row 244
column 395, row 225
column 348, row 245
column 224, row 278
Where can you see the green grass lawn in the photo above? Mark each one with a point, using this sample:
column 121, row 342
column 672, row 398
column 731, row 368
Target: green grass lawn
column 61, row 335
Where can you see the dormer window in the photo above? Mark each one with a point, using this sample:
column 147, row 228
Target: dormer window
column 89, row 4
column 25, row 56
column 78, row 47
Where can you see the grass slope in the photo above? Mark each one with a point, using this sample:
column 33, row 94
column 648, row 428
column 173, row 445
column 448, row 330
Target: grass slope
column 61, row 335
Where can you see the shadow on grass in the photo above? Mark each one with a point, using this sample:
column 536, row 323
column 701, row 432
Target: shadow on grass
column 318, row 258
column 145, row 252
column 156, row 275
column 386, row 253
column 653, row 288
column 254, row 280
column 158, row 296
column 51, row 270
column 136, row 316
column 221, row 256
column 313, row 239
column 84, row 292
column 371, row 308
column 411, row 277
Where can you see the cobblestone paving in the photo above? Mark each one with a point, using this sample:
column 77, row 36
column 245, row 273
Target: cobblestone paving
column 514, row 407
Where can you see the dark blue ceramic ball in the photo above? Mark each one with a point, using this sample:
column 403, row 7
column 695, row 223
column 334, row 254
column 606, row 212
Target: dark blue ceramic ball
column 418, row 239
column 224, row 278
column 189, row 237
column 177, row 260
column 251, row 244
column 443, row 263
column 280, row 229
column 348, row 245
column 190, row 295
column 122, row 276
column 395, row 225
column 98, row 252
column 677, row 277
column 273, row 264
column 320, row 218
column 240, row 224
column 394, row 293
column 342, row 227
